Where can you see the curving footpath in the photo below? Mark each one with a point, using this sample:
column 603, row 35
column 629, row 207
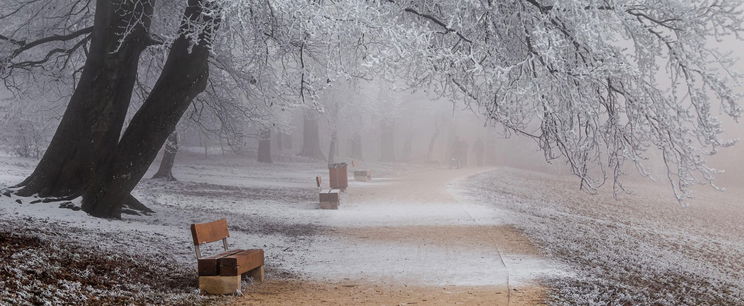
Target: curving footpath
column 413, row 240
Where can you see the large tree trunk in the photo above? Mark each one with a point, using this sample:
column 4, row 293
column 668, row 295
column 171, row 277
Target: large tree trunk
column 311, row 137
column 387, row 141
column 264, row 146
column 169, row 158
column 183, row 77
column 92, row 122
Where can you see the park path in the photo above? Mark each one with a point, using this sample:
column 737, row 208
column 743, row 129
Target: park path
column 410, row 240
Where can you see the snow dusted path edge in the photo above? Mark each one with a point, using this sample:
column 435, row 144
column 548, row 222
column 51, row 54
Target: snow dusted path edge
column 641, row 249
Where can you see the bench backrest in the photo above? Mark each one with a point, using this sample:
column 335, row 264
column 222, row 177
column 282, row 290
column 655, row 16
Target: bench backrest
column 209, row 232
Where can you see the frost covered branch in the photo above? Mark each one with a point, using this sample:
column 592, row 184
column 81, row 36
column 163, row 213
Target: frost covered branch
column 586, row 80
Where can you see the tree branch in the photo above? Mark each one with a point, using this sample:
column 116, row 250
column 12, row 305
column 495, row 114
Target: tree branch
column 26, row 46
column 439, row 23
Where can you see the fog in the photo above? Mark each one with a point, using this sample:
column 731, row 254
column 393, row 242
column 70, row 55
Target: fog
column 418, row 113
column 428, row 129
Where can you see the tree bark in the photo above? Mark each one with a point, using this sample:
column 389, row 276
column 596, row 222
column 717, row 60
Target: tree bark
column 92, row 122
column 311, row 137
column 264, row 146
column 183, row 77
column 169, row 157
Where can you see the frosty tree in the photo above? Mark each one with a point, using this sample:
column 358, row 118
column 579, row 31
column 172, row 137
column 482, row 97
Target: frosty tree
column 580, row 77
column 588, row 79
column 255, row 47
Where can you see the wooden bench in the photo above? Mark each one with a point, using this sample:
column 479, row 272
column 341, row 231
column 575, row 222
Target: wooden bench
column 220, row 274
column 330, row 199
column 362, row 175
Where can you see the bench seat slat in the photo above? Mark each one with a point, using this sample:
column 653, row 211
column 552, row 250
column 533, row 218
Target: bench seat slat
column 241, row 262
column 208, row 266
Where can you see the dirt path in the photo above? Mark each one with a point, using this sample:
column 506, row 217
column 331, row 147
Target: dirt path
column 433, row 216
column 409, row 240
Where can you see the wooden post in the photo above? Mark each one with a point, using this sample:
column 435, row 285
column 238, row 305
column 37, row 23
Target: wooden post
column 257, row 274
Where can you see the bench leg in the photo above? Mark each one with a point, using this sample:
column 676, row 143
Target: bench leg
column 257, row 274
column 219, row 284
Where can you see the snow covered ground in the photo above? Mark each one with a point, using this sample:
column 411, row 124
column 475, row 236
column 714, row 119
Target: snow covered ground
column 644, row 248
column 275, row 207
column 267, row 206
column 411, row 226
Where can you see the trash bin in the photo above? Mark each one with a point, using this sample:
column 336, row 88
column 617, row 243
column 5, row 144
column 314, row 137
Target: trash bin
column 338, row 176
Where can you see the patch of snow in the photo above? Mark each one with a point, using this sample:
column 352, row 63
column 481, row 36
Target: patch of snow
column 418, row 264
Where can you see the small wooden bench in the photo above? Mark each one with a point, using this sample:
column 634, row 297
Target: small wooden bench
column 330, row 199
column 220, row 274
column 362, row 175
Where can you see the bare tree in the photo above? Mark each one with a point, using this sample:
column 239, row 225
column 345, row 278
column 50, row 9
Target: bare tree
column 311, row 136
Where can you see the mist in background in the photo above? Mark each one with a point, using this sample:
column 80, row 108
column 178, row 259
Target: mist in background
column 387, row 123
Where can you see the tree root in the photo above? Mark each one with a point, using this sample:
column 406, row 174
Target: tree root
column 131, row 203
column 166, row 177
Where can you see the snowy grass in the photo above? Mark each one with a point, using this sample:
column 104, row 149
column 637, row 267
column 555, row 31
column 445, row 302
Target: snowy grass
column 44, row 265
column 641, row 249
column 162, row 242
column 267, row 206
